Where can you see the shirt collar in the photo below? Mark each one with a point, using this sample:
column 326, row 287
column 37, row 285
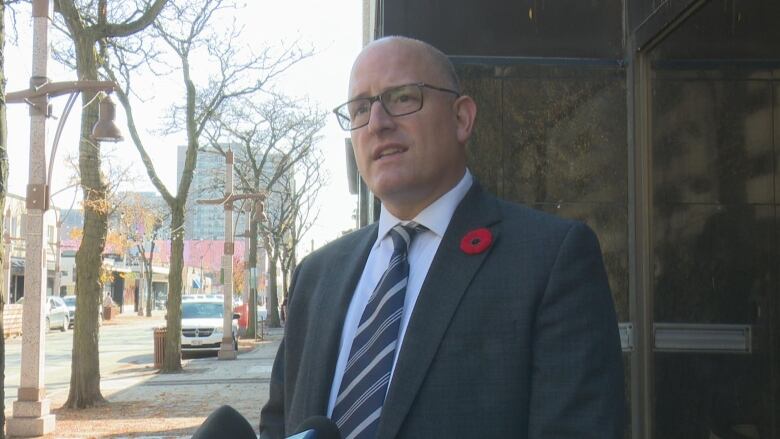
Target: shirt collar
column 436, row 217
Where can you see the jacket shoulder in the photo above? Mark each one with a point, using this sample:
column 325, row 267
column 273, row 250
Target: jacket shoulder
column 342, row 244
column 527, row 218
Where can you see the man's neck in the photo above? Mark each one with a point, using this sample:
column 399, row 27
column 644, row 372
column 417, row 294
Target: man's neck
column 406, row 208
column 451, row 198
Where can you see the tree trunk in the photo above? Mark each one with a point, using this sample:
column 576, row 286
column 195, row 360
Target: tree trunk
column 273, row 296
column 172, row 357
column 3, row 190
column 285, row 281
column 85, row 365
column 146, row 266
column 149, row 283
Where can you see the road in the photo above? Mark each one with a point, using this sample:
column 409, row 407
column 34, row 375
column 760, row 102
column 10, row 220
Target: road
column 127, row 341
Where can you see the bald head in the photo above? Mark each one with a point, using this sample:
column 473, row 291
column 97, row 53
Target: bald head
column 412, row 156
column 433, row 59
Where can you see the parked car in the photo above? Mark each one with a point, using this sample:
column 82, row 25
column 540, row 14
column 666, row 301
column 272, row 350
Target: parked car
column 262, row 313
column 56, row 313
column 201, row 326
column 70, row 302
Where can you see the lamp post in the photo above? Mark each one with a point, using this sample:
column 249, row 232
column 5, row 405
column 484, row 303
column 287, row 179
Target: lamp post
column 226, row 349
column 31, row 411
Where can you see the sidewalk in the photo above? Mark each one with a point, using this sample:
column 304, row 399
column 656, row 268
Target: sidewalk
column 145, row 403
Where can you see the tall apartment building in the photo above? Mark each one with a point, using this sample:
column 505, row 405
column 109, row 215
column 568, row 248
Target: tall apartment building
column 205, row 221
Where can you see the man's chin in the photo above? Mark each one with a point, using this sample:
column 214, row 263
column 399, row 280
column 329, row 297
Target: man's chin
column 391, row 189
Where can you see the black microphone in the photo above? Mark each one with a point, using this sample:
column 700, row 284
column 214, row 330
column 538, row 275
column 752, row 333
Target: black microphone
column 317, row 427
column 225, row 422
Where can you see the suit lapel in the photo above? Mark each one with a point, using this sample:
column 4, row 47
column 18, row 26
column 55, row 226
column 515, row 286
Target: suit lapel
column 449, row 276
column 326, row 343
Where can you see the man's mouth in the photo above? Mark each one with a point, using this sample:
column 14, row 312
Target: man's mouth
column 388, row 152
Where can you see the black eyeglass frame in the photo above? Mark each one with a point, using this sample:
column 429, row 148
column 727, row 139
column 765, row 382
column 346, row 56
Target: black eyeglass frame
column 345, row 119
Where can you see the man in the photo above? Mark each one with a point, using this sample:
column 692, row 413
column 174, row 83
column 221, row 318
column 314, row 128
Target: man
column 505, row 325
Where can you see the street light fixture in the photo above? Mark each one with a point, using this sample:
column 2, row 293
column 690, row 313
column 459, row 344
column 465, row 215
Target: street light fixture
column 31, row 410
column 105, row 130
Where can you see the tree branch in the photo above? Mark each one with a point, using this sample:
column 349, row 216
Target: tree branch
column 126, row 29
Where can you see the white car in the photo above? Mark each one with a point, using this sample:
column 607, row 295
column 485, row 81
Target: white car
column 201, row 326
column 70, row 301
column 262, row 313
column 56, row 313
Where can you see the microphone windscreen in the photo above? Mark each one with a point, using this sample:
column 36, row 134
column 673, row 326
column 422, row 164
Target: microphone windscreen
column 325, row 428
column 225, row 422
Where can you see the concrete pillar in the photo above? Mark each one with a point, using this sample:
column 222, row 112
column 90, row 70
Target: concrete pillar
column 31, row 411
column 226, row 349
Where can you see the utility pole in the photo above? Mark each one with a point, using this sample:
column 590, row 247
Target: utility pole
column 226, row 349
column 32, row 410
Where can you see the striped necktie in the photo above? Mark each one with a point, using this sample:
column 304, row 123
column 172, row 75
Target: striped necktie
column 367, row 375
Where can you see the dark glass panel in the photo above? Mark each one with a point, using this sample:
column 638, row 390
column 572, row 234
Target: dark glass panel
column 713, row 263
column 639, row 10
column 712, row 141
column 771, row 329
column 485, row 150
column 586, row 29
column 710, row 396
column 565, row 134
column 730, row 29
column 776, row 131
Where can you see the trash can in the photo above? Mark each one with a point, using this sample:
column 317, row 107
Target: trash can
column 107, row 312
column 159, row 346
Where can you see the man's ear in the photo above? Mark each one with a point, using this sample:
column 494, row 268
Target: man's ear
column 465, row 114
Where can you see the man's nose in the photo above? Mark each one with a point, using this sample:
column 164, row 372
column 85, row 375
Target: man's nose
column 380, row 119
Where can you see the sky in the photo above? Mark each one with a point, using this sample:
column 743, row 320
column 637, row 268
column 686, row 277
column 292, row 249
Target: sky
column 332, row 28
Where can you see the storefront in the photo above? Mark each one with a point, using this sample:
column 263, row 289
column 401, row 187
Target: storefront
column 658, row 123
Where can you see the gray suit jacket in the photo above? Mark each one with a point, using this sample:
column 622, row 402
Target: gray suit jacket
column 519, row 341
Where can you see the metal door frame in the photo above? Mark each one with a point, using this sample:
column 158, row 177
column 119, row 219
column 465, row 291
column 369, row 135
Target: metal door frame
column 665, row 19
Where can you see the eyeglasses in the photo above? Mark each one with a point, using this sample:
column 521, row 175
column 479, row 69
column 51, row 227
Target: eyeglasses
column 397, row 101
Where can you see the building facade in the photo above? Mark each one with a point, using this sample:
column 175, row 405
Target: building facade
column 658, row 123
column 14, row 234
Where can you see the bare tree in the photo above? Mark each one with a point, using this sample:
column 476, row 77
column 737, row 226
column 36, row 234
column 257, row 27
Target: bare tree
column 89, row 25
column 270, row 138
column 141, row 222
column 294, row 211
column 188, row 30
column 304, row 212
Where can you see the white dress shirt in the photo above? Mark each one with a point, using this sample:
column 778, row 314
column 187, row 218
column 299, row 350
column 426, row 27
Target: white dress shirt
column 436, row 217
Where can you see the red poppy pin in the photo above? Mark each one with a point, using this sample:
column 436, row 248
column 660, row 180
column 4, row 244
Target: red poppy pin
column 476, row 241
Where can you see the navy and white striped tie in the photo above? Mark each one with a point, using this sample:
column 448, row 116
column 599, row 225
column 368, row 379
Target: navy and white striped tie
column 367, row 375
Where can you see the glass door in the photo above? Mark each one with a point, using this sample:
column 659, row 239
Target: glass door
column 715, row 139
